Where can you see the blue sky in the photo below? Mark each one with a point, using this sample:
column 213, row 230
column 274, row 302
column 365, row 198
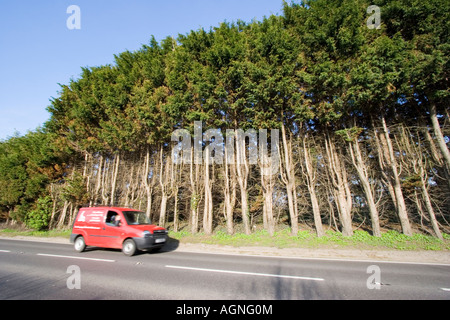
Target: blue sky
column 38, row 51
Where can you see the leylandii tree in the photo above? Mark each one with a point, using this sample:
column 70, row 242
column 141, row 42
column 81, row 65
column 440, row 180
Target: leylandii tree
column 27, row 164
column 361, row 113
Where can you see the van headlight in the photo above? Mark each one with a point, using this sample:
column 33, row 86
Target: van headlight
column 146, row 234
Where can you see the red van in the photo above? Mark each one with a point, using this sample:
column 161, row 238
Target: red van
column 118, row 228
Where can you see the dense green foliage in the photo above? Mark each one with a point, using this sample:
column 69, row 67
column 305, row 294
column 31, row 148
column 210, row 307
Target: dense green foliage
column 364, row 115
column 28, row 165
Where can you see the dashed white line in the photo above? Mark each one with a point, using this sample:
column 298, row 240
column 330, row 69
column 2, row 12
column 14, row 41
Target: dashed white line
column 445, row 289
column 72, row 257
column 5, row 251
column 246, row 273
column 318, row 258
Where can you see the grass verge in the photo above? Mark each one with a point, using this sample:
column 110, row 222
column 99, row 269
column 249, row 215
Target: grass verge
column 8, row 232
column 305, row 239
column 391, row 240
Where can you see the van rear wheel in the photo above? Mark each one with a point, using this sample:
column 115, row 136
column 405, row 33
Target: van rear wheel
column 129, row 247
column 80, row 244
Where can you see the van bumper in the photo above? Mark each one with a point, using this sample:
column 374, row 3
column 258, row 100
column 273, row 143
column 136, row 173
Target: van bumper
column 152, row 242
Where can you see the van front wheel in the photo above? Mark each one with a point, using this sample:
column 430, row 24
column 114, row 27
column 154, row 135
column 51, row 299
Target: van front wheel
column 129, row 247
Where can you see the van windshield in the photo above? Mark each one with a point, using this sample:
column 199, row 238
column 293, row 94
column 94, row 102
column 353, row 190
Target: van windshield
column 136, row 218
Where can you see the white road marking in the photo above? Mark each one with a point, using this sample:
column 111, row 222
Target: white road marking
column 5, row 251
column 318, row 258
column 246, row 273
column 445, row 289
column 443, row 264
column 72, row 257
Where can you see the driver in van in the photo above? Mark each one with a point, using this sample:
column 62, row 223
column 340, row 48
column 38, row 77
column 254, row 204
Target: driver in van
column 113, row 219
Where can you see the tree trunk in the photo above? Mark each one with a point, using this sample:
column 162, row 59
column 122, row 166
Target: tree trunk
column 428, row 205
column 437, row 156
column 419, row 162
column 242, row 168
column 439, row 136
column 98, row 183
column 114, row 179
column 166, row 182
column 383, row 156
column 208, row 205
column 401, row 206
column 105, row 182
column 54, row 196
column 194, row 175
column 86, row 175
column 267, row 185
column 62, row 217
column 162, row 214
column 311, row 181
column 129, row 186
column 148, row 187
column 363, row 175
column 340, row 187
column 175, row 210
column 229, row 192
column 288, row 178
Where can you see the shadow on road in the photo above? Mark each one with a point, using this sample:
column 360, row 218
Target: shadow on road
column 171, row 245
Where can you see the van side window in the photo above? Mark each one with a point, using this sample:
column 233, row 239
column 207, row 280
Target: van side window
column 111, row 218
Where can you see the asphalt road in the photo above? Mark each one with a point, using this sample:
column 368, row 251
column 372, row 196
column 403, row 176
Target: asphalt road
column 36, row 270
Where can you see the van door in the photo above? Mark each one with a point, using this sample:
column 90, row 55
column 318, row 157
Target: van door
column 91, row 220
column 111, row 231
